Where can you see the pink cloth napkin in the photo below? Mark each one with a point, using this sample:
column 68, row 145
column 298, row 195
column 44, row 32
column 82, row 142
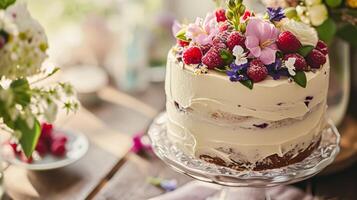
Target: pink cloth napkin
column 196, row 190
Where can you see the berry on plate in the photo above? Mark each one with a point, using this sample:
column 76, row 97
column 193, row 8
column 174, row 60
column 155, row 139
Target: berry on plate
column 322, row 47
column 192, row 55
column 234, row 39
column 300, row 63
column 221, row 15
column 288, row 43
column 213, row 58
column 58, row 148
column 316, row 59
column 257, row 71
column 41, row 147
column 46, row 131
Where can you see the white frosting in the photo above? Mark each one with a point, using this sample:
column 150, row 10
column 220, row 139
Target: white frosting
column 271, row 101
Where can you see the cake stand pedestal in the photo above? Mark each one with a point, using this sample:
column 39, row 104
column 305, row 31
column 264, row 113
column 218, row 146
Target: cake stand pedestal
column 185, row 163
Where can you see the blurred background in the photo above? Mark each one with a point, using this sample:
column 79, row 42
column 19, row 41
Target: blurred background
column 114, row 53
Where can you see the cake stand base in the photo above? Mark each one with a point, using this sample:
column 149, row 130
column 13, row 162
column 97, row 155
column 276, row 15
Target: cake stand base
column 185, row 163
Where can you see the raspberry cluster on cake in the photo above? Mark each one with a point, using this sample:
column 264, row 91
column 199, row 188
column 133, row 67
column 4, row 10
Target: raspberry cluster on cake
column 247, row 91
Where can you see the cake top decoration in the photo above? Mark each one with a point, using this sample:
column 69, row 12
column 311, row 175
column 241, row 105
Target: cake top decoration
column 249, row 47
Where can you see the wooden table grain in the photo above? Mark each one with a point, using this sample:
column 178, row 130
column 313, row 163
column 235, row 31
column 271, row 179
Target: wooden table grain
column 110, row 172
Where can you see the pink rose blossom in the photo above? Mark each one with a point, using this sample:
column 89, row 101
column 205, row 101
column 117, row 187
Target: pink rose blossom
column 260, row 40
column 203, row 31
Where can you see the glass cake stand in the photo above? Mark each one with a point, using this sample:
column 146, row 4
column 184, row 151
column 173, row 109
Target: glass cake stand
column 198, row 169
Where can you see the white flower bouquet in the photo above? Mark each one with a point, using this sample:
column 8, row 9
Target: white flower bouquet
column 23, row 45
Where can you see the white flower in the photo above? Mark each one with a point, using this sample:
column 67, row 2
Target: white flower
column 7, row 25
column 302, row 13
column 317, row 14
column 312, row 2
column 23, row 55
column 241, row 56
column 289, row 64
column 304, row 33
column 200, row 70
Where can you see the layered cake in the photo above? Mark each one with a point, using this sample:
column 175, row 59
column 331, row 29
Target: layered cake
column 247, row 92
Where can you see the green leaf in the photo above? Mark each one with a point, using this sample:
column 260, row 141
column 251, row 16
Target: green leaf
column 226, row 56
column 300, row 78
column 21, row 89
column 182, row 35
column 222, row 70
column 6, row 3
column 305, row 50
column 247, row 83
column 29, row 136
column 327, row 30
column 348, row 33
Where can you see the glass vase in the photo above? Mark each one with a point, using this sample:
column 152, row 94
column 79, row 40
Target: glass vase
column 340, row 81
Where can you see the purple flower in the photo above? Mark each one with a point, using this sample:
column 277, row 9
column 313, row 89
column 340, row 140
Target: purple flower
column 235, row 75
column 277, row 74
column 275, row 66
column 275, row 14
column 168, row 185
column 260, row 40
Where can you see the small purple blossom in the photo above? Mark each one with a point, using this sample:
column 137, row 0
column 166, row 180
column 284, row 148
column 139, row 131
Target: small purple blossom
column 275, row 69
column 168, row 185
column 275, row 66
column 275, row 14
column 235, row 75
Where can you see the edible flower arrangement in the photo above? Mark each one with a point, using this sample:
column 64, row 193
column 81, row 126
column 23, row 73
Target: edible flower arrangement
column 23, row 101
column 248, row 48
column 330, row 18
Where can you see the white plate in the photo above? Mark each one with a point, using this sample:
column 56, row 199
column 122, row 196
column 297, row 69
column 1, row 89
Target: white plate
column 77, row 146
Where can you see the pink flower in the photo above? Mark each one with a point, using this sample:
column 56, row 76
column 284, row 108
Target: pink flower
column 260, row 40
column 203, row 31
column 139, row 144
column 176, row 27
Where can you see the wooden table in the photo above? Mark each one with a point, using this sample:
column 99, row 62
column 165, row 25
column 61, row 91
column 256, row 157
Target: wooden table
column 109, row 171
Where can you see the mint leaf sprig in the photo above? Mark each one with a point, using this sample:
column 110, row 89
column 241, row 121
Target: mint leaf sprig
column 234, row 12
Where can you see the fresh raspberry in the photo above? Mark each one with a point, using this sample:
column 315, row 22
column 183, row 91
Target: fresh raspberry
column 221, row 15
column 41, row 147
column 288, row 43
column 182, row 43
column 192, row 55
column 315, row 59
column 212, row 58
column 46, row 131
column 220, row 40
column 60, row 137
column 257, row 71
column 235, row 38
column 205, row 48
column 322, row 47
column 300, row 63
column 58, row 148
